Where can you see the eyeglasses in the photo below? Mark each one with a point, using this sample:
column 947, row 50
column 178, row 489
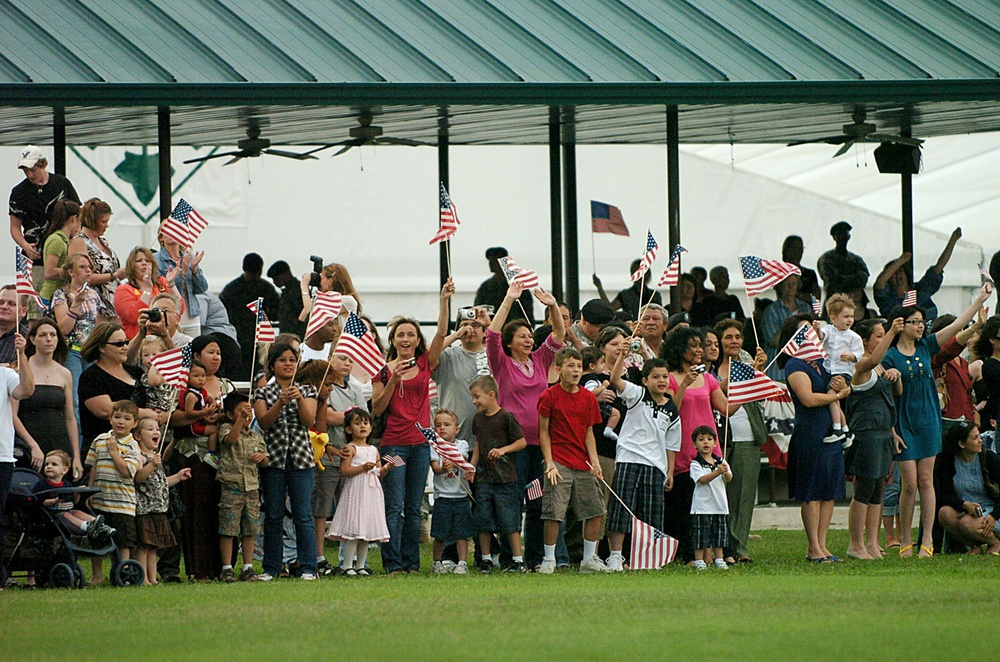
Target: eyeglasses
column 119, row 343
column 916, row 322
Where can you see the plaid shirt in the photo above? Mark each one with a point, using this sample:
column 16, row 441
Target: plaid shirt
column 287, row 441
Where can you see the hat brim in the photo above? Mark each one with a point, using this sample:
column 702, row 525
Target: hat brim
column 27, row 163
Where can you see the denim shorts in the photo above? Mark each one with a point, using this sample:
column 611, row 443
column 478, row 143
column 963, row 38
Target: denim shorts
column 498, row 508
column 452, row 519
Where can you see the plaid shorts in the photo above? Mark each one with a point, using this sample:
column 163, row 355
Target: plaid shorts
column 239, row 512
column 709, row 531
column 641, row 488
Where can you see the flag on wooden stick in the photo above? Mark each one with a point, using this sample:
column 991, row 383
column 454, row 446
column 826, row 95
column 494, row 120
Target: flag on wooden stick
column 759, row 275
column 325, row 308
column 515, row 274
column 651, row 548
column 448, row 218
column 910, row 299
column 264, row 331
column 605, row 218
column 647, row 258
column 671, row 275
column 805, row 345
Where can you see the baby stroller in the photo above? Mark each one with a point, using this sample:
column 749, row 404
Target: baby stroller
column 36, row 540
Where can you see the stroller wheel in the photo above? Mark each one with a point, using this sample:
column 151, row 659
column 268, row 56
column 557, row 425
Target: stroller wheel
column 61, row 576
column 128, row 573
column 81, row 578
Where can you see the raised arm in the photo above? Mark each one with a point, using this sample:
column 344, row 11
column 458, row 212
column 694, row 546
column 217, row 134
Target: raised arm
column 558, row 326
column 945, row 256
column 883, row 278
column 868, row 363
column 949, row 332
column 26, row 387
column 513, row 295
column 617, row 378
column 437, row 343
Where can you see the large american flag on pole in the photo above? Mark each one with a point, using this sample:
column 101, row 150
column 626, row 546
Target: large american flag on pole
column 651, row 548
column 264, row 331
column 671, row 275
column 805, row 345
column 325, row 308
column 356, row 341
column 647, row 258
column 22, row 279
column 527, row 279
column 445, row 449
column 759, row 275
column 174, row 365
column 449, row 218
column 747, row 384
column 184, row 225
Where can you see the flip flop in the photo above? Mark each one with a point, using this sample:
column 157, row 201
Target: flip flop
column 822, row 559
column 929, row 551
column 908, row 548
column 851, row 555
column 833, row 558
column 894, row 545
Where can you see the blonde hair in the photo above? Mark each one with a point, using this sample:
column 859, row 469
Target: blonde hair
column 92, row 211
column 836, row 303
column 149, row 341
column 62, row 455
column 71, row 263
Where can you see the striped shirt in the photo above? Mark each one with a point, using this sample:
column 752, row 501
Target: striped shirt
column 117, row 492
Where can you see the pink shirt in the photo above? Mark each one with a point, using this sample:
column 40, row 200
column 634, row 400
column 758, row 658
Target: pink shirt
column 521, row 386
column 695, row 410
column 409, row 404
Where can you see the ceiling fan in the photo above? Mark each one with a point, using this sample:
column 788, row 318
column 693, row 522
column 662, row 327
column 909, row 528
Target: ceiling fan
column 251, row 147
column 368, row 134
column 859, row 131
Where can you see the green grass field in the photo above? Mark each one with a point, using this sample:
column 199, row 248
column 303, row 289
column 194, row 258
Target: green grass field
column 781, row 607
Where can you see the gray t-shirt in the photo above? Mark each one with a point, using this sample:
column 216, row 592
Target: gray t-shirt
column 342, row 398
column 456, row 369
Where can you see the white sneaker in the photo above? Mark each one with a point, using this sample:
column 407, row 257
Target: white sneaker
column 438, row 568
column 547, row 567
column 593, row 564
column 835, row 437
column 848, row 440
column 265, row 577
column 721, row 564
column 616, row 563
column 701, row 565
column 461, row 569
column 308, row 577
column 448, row 566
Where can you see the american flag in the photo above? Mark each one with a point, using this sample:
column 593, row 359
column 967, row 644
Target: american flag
column 449, row 218
column 326, row 307
column 534, row 489
column 174, row 365
column 987, row 278
column 22, row 279
column 759, row 275
column 356, row 341
column 747, row 384
column 432, row 389
column 817, row 306
column 527, row 279
column 651, row 548
column 184, row 225
column 647, row 258
column 910, row 299
column 445, row 449
column 394, row 460
column 673, row 271
column 607, row 218
column 805, row 345
column 265, row 331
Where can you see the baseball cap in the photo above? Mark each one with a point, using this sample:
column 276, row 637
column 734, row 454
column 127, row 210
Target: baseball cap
column 596, row 311
column 30, row 155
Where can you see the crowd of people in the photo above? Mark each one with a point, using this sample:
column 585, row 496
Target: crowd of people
column 568, row 432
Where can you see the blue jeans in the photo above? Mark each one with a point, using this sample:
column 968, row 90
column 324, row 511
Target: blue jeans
column 404, row 492
column 74, row 363
column 297, row 484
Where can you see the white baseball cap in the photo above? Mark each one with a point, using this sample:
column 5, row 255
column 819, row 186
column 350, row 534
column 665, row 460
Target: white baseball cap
column 30, row 155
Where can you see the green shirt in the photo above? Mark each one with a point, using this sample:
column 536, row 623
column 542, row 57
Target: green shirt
column 56, row 244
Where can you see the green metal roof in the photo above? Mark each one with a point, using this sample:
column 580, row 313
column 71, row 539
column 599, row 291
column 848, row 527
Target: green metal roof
column 739, row 70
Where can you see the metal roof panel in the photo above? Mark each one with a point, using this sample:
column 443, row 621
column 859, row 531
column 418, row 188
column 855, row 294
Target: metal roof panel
column 11, row 73
column 958, row 27
column 28, row 46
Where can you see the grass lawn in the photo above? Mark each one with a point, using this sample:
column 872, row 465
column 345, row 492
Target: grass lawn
column 780, row 607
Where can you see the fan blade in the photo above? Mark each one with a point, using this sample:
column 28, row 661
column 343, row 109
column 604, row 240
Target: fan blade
column 214, row 156
column 354, row 142
column 321, row 148
column 389, row 140
column 843, row 150
column 232, row 161
column 289, row 155
column 901, row 140
column 830, row 140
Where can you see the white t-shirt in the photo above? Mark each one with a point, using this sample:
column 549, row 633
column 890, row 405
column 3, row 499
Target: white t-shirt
column 647, row 432
column 11, row 381
column 709, row 498
column 739, row 425
column 449, row 484
column 307, row 353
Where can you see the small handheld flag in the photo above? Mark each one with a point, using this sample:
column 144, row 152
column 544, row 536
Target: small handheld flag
column 446, row 449
column 817, row 306
column 174, row 365
column 759, row 275
column 747, row 384
column 394, row 460
column 910, row 299
column 671, row 275
column 651, row 548
column 534, row 489
column 22, row 278
column 325, row 308
column 448, row 218
column 264, row 331
column 605, row 218
column 805, row 345
column 356, row 341
column 985, row 275
column 647, row 258
column 184, row 225
column 515, row 274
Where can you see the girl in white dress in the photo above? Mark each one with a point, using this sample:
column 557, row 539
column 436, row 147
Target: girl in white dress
column 360, row 516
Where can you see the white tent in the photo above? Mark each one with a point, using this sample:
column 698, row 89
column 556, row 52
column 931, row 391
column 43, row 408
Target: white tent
column 374, row 209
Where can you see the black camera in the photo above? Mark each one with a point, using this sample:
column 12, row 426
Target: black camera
column 317, row 269
column 154, row 315
column 700, row 369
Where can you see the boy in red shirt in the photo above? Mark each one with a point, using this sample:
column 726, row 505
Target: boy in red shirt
column 566, row 416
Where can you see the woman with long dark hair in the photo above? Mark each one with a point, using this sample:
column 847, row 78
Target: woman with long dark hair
column 967, row 482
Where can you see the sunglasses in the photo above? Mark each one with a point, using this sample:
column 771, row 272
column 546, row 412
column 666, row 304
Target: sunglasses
column 120, row 343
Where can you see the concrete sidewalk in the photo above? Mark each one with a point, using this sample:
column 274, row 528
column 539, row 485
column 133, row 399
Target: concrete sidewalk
column 787, row 518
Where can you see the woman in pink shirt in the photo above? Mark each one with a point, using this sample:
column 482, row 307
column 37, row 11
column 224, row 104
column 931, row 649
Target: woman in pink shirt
column 522, row 372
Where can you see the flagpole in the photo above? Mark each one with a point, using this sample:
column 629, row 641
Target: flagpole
column 166, row 423
column 253, row 361
column 329, row 360
column 627, row 509
column 729, row 380
column 593, row 249
column 447, row 252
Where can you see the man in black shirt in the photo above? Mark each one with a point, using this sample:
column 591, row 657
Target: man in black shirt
column 290, row 301
column 494, row 289
column 237, row 294
column 32, row 200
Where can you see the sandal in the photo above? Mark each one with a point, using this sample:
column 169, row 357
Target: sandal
column 903, row 550
column 929, row 551
column 893, row 545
